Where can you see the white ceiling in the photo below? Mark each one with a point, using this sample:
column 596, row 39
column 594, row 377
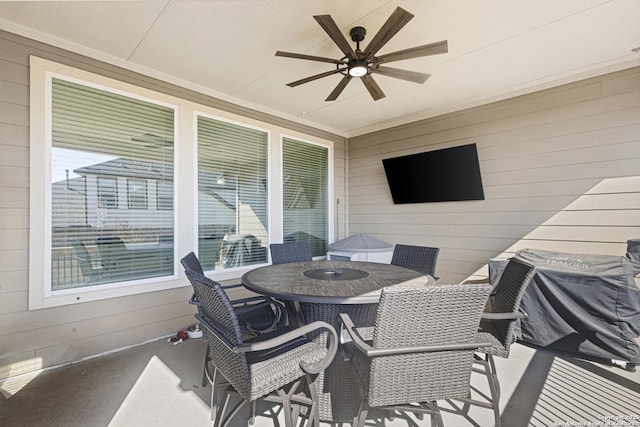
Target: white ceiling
column 497, row 49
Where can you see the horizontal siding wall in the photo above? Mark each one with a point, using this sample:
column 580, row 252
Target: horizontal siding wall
column 560, row 168
column 30, row 340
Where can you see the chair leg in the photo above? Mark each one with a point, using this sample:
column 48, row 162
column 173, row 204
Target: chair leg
column 494, row 375
column 204, row 370
column 217, row 422
column 494, row 388
column 361, row 417
column 494, row 385
column 314, row 414
column 214, row 394
column 286, row 408
column 252, row 413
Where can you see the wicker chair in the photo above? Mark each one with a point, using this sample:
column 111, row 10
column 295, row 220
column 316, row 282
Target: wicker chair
column 86, row 261
column 282, row 253
column 279, row 368
column 419, row 258
column 117, row 261
column 422, row 349
column 498, row 326
column 256, row 315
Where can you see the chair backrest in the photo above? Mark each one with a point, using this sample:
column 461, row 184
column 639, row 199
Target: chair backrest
column 209, row 251
column 507, row 295
column 282, row 253
column 415, row 316
column 83, row 258
column 191, row 262
column 219, row 314
column 419, row 258
column 114, row 254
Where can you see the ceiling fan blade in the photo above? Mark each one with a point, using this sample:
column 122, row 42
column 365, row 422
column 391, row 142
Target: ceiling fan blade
column 312, row 78
column 338, row 89
column 396, row 21
column 309, row 57
column 373, row 88
column 414, row 52
column 331, row 28
column 412, row 76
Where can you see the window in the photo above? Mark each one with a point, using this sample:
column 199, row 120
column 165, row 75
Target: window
column 101, row 141
column 137, row 192
column 305, row 209
column 164, row 195
column 232, row 195
column 107, row 199
column 107, row 193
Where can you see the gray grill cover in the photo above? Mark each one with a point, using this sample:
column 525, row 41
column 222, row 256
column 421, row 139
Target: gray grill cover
column 633, row 253
column 585, row 304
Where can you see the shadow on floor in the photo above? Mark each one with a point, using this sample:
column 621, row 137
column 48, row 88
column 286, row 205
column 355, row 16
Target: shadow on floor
column 159, row 384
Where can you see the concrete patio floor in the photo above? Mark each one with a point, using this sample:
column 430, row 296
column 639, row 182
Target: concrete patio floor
column 158, row 384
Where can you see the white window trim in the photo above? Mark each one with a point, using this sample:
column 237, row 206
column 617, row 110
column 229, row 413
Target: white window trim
column 40, row 293
column 185, row 184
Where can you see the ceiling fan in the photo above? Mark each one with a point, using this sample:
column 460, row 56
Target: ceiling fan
column 363, row 63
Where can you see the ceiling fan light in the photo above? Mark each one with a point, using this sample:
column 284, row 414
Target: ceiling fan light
column 358, row 68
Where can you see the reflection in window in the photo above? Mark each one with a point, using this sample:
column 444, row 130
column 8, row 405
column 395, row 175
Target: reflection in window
column 137, row 193
column 232, row 195
column 107, row 193
column 104, row 145
column 164, row 195
column 305, row 175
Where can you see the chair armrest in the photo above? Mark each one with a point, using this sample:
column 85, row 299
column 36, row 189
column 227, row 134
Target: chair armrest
column 194, row 300
column 332, row 342
column 373, row 352
column 503, row 316
column 246, row 305
column 248, row 300
column 348, row 326
column 489, row 314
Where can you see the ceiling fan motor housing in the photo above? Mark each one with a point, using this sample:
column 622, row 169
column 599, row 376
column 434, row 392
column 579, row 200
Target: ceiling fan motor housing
column 357, row 34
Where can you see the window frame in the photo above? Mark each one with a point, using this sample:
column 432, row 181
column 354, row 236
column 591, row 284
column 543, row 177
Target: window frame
column 185, row 187
column 41, row 295
column 102, row 179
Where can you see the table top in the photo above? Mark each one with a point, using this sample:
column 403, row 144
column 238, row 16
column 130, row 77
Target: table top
column 330, row 282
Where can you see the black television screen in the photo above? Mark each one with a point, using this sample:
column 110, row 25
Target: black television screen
column 444, row 175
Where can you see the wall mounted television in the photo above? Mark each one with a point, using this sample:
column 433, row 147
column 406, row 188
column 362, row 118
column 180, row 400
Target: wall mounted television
column 450, row 174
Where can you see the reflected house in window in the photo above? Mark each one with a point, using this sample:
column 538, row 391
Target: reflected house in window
column 131, row 202
column 137, row 199
column 132, row 197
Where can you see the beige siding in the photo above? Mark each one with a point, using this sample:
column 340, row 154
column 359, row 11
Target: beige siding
column 31, row 340
column 560, row 167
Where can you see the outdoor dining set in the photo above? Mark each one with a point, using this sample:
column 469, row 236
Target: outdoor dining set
column 347, row 341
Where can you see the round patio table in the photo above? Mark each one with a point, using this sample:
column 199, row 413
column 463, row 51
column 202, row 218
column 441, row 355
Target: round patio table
column 320, row 290
column 330, row 282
